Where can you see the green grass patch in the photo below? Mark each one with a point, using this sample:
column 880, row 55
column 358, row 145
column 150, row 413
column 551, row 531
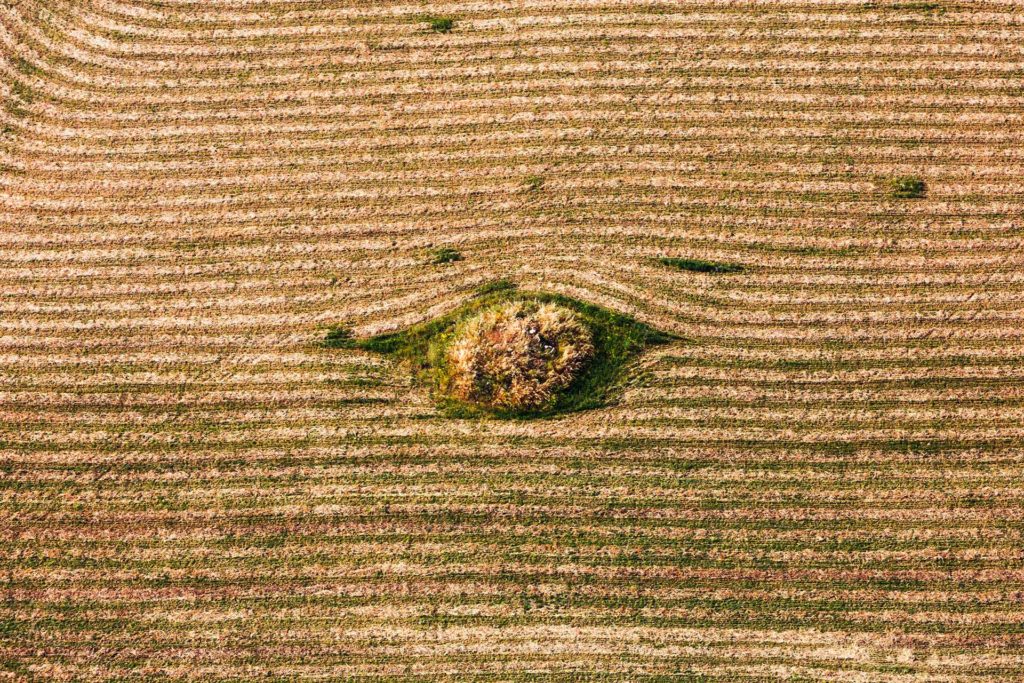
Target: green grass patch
column 340, row 338
column 618, row 341
column 533, row 183
column 924, row 7
column 444, row 255
column 906, row 187
column 22, row 92
column 26, row 67
column 502, row 285
column 16, row 110
column 931, row 7
column 440, row 24
column 699, row 266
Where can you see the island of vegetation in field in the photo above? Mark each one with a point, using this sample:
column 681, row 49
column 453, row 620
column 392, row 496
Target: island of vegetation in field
column 510, row 353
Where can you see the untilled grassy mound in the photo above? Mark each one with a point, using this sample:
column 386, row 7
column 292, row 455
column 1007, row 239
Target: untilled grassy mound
column 513, row 354
column 517, row 356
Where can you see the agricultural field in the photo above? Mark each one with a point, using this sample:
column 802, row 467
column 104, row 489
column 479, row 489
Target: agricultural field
column 223, row 223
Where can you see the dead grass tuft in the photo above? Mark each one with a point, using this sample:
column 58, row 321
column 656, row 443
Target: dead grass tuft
column 517, row 356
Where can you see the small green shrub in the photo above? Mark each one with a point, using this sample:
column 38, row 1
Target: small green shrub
column 699, row 266
column 906, row 187
column 444, row 255
column 440, row 24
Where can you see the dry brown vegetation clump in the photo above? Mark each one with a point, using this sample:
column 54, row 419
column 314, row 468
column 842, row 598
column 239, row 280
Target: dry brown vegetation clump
column 517, row 355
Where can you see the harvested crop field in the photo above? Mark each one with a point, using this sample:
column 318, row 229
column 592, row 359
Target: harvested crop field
column 819, row 478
